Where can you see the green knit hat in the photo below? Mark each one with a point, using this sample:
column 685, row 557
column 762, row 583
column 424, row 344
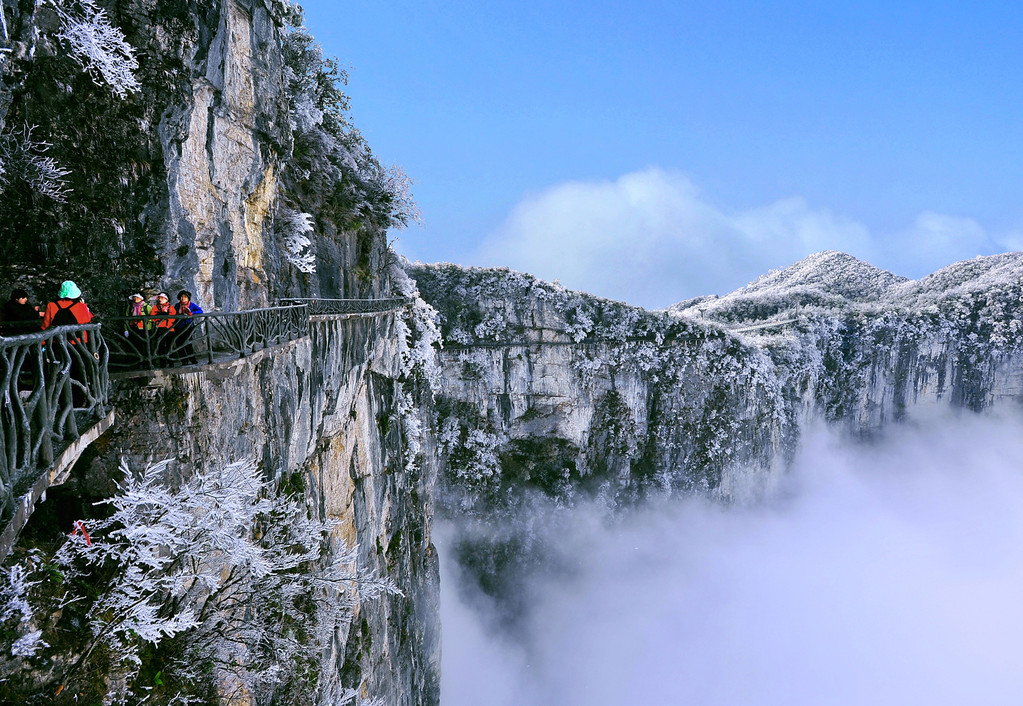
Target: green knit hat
column 70, row 290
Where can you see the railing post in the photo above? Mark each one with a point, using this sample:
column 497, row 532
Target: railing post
column 148, row 332
column 44, row 417
column 37, row 403
column 209, row 342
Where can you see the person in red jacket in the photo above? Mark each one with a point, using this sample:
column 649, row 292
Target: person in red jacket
column 68, row 310
column 163, row 314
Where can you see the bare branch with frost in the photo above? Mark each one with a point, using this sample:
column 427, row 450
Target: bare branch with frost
column 24, row 157
column 97, row 46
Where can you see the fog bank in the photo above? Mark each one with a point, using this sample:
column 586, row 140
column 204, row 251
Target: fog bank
column 880, row 573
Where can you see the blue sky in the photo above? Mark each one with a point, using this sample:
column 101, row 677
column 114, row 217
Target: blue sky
column 889, row 130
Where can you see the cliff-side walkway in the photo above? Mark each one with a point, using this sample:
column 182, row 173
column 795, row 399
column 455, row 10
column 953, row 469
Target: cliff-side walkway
column 55, row 393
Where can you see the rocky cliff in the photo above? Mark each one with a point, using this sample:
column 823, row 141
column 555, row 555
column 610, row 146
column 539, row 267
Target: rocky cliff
column 229, row 168
column 563, row 391
column 552, row 396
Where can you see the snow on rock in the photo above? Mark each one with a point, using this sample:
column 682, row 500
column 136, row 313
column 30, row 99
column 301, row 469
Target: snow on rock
column 575, row 393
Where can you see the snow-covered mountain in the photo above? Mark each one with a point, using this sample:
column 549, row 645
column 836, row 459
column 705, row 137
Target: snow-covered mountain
column 563, row 391
column 550, row 397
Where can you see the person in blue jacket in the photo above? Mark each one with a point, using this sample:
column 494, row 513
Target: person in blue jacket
column 183, row 328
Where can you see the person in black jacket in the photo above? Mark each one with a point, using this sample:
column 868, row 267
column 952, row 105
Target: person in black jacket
column 18, row 315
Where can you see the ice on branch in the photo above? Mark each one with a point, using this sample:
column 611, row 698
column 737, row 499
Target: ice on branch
column 297, row 244
column 98, row 47
column 249, row 580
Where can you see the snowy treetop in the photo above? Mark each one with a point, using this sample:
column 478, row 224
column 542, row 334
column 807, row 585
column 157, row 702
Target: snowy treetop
column 980, row 274
column 482, row 304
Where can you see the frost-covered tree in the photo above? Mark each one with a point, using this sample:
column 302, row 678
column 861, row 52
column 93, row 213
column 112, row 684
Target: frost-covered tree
column 216, row 585
column 296, row 228
column 332, row 173
column 100, row 49
column 25, row 157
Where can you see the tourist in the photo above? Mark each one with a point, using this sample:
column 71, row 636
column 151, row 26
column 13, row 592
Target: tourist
column 68, row 310
column 136, row 329
column 186, row 308
column 18, row 315
column 163, row 314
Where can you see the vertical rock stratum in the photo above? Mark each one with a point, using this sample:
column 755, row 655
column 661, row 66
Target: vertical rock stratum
column 231, row 171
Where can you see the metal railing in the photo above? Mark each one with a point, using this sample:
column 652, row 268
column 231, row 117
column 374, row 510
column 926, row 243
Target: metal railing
column 52, row 382
column 341, row 307
column 150, row 342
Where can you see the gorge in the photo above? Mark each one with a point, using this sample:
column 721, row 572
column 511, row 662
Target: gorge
column 614, row 491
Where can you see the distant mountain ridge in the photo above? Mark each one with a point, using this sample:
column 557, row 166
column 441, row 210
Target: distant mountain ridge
column 567, row 397
column 831, row 280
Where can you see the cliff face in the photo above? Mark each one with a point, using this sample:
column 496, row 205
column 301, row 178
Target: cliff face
column 321, row 415
column 232, row 172
column 193, row 180
column 566, row 393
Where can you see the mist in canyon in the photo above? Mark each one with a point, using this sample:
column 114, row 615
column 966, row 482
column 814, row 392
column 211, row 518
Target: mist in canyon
column 873, row 571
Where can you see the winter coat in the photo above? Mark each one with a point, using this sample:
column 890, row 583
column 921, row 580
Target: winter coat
column 192, row 310
column 164, row 314
column 19, row 318
column 144, row 310
column 76, row 307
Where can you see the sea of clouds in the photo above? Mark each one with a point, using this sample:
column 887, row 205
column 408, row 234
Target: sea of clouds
column 881, row 572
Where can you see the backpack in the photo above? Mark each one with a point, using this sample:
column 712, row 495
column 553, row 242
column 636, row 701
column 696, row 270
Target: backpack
column 64, row 317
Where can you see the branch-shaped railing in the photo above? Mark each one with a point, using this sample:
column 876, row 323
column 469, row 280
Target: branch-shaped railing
column 341, row 307
column 53, row 381
column 150, row 342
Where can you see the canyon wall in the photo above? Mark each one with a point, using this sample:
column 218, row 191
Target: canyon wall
column 565, row 393
column 321, row 416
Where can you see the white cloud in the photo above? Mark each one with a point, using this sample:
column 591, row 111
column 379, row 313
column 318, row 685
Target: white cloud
column 884, row 573
column 651, row 239
column 935, row 240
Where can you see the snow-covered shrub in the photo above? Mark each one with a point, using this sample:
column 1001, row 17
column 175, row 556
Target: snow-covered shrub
column 579, row 324
column 590, row 368
column 16, row 614
column 295, row 229
column 469, row 447
column 220, row 581
column 97, row 46
column 492, row 328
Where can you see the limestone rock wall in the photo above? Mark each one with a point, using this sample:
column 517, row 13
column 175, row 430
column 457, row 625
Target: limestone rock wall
column 181, row 184
column 563, row 392
column 320, row 412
